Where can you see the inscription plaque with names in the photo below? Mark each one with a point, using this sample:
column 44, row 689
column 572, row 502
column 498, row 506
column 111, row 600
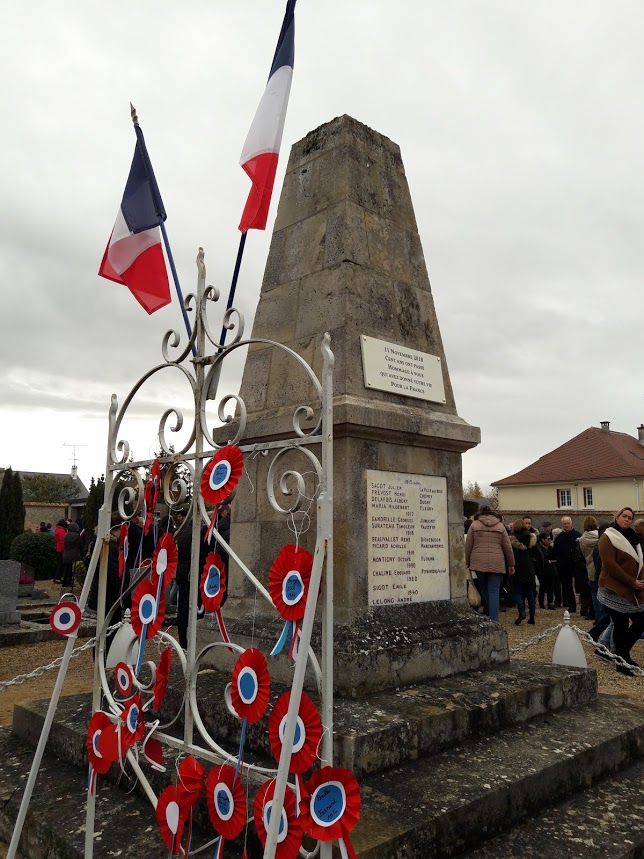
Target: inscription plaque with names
column 407, row 538
column 400, row 370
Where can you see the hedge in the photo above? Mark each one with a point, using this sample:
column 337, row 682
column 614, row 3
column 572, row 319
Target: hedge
column 38, row 551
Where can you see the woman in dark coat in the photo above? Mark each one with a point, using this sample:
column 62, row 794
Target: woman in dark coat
column 523, row 541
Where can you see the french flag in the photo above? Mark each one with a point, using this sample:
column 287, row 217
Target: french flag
column 261, row 149
column 134, row 255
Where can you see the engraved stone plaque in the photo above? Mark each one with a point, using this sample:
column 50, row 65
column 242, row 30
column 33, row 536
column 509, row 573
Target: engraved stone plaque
column 407, row 538
column 399, row 370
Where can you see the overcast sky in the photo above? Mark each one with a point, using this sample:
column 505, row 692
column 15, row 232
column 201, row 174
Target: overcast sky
column 521, row 131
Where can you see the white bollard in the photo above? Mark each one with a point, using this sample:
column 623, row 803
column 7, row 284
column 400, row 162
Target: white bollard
column 125, row 645
column 568, row 649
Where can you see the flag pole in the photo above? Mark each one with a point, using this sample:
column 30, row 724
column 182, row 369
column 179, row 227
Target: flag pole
column 175, row 277
column 173, row 269
column 233, row 285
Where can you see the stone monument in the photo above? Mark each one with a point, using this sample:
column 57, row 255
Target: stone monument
column 346, row 258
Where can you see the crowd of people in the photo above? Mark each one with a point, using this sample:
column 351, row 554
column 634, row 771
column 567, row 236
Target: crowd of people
column 602, row 566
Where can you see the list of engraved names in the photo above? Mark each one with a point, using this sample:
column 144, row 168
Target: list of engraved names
column 407, row 538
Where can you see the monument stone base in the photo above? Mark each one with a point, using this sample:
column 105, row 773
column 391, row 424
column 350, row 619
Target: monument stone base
column 411, row 644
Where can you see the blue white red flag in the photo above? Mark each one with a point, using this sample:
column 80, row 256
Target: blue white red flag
column 134, row 255
column 261, row 149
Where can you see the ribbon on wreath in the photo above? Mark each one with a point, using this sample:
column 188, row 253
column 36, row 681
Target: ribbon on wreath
column 288, row 585
column 250, row 691
column 213, row 589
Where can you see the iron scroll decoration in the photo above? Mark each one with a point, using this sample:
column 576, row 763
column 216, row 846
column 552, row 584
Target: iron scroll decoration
column 289, row 490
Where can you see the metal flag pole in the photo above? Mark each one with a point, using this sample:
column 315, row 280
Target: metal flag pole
column 173, row 269
column 233, row 287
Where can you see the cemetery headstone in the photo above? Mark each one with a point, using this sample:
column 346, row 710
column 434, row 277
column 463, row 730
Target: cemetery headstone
column 9, row 578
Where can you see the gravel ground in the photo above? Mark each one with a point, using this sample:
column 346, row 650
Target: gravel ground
column 610, row 682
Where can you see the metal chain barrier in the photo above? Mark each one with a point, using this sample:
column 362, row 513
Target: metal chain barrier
column 38, row 672
column 608, row 654
column 519, row 648
column 599, row 649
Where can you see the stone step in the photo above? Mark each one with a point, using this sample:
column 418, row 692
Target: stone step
column 55, row 824
column 371, row 736
column 390, row 728
column 28, row 632
column 68, row 736
column 443, row 805
column 604, row 821
column 414, row 722
column 433, row 808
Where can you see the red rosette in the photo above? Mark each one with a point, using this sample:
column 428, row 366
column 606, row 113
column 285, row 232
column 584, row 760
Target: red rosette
column 213, row 582
column 289, row 837
column 145, row 610
column 330, row 806
column 124, row 678
column 162, row 676
column 288, row 581
column 97, row 724
column 124, row 548
column 133, row 727
column 226, row 801
column 170, row 819
column 308, row 732
column 251, row 686
column 65, row 618
column 190, row 783
column 164, row 562
column 222, row 474
column 108, row 744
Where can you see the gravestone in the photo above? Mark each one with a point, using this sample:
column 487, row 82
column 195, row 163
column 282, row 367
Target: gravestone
column 346, row 258
column 9, row 578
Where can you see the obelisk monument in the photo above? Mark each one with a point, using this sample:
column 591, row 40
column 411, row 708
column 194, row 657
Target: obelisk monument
column 346, row 258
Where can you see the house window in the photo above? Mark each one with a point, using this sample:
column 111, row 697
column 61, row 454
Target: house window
column 588, row 496
column 564, row 498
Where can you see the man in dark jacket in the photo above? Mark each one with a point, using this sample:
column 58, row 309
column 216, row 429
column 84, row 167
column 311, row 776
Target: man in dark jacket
column 71, row 554
column 564, row 552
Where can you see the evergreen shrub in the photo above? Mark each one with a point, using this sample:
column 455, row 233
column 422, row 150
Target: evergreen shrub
column 38, row 551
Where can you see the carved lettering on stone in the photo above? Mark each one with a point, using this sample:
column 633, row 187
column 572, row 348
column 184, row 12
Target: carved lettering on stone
column 407, row 538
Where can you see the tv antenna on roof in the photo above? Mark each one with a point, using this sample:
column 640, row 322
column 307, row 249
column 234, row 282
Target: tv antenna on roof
column 74, row 466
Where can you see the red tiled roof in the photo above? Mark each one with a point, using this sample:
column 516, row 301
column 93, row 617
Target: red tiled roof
column 594, row 454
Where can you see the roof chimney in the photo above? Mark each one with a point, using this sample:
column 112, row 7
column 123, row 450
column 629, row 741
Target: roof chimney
column 640, row 434
column 605, row 426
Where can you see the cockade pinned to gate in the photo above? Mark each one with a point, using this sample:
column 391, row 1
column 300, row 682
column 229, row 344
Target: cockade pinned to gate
column 132, row 674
